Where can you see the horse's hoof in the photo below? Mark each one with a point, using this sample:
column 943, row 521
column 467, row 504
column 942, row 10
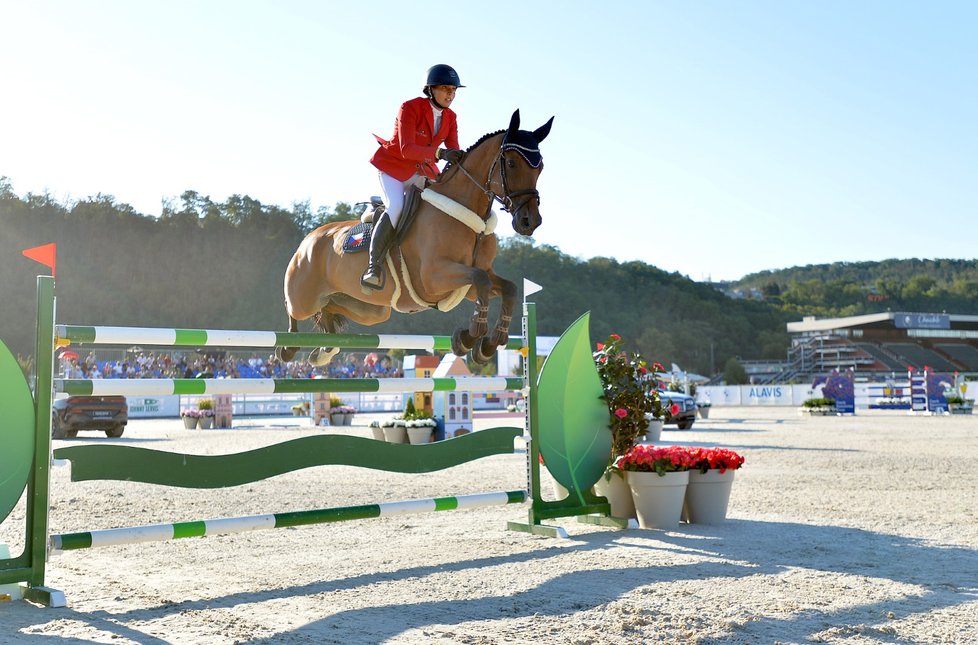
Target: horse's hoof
column 483, row 352
column 322, row 356
column 459, row 347
column 285, row 354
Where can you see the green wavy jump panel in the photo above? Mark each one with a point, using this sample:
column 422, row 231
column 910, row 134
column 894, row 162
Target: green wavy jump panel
column 131, row 463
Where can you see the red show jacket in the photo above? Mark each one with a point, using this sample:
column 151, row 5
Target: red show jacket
column 412, row 148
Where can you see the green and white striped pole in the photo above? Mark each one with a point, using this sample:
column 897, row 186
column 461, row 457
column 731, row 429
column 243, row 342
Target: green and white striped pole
column 226, row 526
column 169, row 337
column 156, row 387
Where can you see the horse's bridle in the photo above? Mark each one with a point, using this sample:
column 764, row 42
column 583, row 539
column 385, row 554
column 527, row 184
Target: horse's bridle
column 506, row 200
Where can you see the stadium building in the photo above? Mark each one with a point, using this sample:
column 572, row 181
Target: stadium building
column 877, row 345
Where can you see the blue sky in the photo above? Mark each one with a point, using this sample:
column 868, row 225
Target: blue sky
column 713, row 139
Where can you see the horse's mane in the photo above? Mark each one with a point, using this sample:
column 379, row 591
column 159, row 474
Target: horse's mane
column 482, row 139
column 452, row 169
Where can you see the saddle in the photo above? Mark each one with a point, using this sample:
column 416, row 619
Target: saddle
column 358, row 238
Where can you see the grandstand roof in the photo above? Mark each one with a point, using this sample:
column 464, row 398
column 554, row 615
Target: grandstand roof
column 888, row 320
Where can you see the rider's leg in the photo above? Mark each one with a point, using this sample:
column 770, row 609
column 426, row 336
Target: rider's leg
column 383, row 231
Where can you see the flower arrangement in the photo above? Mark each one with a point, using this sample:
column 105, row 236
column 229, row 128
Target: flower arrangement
column 624, row 377
column 193, row 413
column 206, row 413
column 823, row 402
column 411, row 418
column 656, row 459
column 206, row 404
column 721, row 459
column 953, row 399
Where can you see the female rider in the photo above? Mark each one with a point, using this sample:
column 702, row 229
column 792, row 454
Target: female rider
column 410, row 157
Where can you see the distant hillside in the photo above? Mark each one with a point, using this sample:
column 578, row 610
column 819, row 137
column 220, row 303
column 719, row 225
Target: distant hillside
column 852, row 288
column 220, row 265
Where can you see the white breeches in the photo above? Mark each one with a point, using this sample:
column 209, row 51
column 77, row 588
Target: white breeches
column 394, row 193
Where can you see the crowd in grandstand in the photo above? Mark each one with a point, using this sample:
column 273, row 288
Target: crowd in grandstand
column 164, row 365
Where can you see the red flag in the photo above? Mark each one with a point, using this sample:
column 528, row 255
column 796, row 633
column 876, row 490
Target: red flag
column 45, row 254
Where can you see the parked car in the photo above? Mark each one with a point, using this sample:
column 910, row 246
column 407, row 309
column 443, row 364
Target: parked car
column 108, row 414
column 686, row 414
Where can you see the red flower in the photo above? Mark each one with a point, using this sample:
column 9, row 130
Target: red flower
column 615, row 337
column 621, row 413
column 600, row 346
column 674, row 410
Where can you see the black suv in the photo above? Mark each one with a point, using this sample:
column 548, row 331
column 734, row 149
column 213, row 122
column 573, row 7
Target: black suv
column 686, row 408
column 106, row 413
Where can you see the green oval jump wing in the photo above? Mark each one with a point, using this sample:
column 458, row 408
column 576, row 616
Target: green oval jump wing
column 16, row 431
column 573, row 429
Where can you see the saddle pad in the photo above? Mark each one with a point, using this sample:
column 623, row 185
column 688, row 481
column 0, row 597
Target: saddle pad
column 358, row 239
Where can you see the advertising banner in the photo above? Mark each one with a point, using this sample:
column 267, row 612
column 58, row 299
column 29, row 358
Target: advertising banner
column 839, row 386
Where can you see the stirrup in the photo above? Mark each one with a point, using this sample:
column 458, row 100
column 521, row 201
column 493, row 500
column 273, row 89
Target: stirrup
column 373, row 279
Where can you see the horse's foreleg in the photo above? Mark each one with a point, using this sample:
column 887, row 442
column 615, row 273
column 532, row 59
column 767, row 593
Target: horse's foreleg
column 507, row 290
column 286, row 354
column 464, row 340
column 484, row 352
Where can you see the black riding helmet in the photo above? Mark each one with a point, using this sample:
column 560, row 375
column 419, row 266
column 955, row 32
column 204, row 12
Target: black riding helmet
column 441, row 75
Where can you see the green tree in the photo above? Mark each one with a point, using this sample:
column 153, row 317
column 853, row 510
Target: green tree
column 734, row 373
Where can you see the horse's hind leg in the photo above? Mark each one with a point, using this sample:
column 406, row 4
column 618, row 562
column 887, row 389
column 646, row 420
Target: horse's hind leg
column 484, row 351
column 286, row 354
column 328, row 323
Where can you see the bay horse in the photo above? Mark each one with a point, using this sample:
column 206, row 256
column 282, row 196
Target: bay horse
column 444, row 256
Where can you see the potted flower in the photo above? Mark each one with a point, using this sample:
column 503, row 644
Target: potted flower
column 820, row 406
column 337, row 413
column 958, row 404
column 206, row 407
column 421, row 428
column 377, row 430
column 711, row 477
column 656, row 419
column 301, row 409
column 190, row 417
column 348, row 412
column 624, row 385
column 657, row 476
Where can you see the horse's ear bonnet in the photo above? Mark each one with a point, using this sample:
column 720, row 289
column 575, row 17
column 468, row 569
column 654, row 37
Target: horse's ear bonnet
column 527, row 144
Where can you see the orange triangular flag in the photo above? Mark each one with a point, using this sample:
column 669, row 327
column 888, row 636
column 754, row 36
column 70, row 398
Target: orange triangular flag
column 46, row 254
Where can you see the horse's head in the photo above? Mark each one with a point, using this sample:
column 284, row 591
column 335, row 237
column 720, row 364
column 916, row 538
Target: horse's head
column 520, row 164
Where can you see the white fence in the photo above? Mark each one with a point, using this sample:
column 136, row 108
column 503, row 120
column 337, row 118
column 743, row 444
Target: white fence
column 248, row 405
column 795, row 395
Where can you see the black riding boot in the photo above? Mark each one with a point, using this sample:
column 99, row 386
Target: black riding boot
column 380, row 241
